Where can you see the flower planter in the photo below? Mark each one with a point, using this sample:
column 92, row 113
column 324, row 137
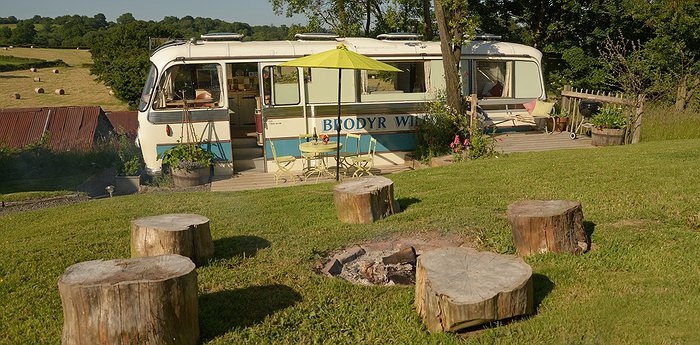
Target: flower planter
column 191, row 178
column 124, row 185
column 607, row 136
column 560, row 123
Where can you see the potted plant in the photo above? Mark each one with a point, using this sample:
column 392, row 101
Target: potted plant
column 129, row 164
column 609, row 126
column 561, row 120
column 189, row 164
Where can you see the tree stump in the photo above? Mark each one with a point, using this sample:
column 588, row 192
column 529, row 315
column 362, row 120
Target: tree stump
column 184, row 234
column 365, row 200
column 460, row 287
column 548, row 226
column 150, row 300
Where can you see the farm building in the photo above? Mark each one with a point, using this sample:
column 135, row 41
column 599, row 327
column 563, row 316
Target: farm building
column 66, row 128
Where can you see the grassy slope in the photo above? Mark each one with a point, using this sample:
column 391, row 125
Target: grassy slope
column 80, row 87
column 639, row 284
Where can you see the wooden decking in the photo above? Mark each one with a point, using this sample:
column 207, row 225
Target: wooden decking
column 505, row 142
column 538, row 141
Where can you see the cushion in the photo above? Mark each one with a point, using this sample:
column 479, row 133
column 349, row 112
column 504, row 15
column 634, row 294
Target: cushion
column 529, row 106
column 542, row 108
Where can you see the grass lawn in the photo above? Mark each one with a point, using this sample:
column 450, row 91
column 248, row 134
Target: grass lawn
column 639, row 285
column 80, row 87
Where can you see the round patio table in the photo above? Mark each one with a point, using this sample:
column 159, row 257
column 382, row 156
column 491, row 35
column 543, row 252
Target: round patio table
column 318, row 149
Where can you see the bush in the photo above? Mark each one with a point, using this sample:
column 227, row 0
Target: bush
column 609, row 117
column 435, row 133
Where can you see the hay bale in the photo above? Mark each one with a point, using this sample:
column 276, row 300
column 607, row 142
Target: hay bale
column 37, row 79
column 15, row 95
column 55, row 71
column 33, row 69
column 39, row 90
column 60, row 92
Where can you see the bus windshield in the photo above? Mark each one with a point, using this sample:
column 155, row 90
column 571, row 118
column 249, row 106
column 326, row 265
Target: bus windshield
column 148, row 88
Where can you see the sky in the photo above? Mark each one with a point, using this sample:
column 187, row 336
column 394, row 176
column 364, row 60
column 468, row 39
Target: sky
column 253, row 12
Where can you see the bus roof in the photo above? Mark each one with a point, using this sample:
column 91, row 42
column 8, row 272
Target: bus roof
column 285, row 50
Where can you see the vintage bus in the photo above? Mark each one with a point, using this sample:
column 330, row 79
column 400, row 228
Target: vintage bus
column 232, row 95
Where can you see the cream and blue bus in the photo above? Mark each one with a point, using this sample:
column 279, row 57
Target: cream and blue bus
column 234, row 98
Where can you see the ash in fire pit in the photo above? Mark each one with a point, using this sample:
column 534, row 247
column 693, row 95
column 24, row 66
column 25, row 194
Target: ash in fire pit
column 383, row 263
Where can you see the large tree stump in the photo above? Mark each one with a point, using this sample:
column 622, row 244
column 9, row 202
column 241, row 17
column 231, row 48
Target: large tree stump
column 365, row 200
column 460, row 287
column 150, row 300
column 548, row 226
column 184, row 234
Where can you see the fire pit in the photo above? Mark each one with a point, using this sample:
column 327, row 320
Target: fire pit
column 385, row 263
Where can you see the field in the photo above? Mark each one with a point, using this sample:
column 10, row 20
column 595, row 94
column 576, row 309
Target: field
column 80, row 87
column 638, row 285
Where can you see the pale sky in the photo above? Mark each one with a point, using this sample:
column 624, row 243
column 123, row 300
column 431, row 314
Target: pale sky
column 253, row 12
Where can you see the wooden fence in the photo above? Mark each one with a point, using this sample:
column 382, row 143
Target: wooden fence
column 633, row 107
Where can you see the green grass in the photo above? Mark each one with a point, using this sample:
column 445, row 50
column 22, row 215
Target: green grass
column 23, row 196
column 639, row 285
column 13, row 60
column 661, row 122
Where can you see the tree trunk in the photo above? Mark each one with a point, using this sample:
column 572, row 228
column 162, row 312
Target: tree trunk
column 428, row 21
column 150, row 300
column 451, row 53
column 184, row 234
column 461, row 287
column 365, row 200
column 548, row 226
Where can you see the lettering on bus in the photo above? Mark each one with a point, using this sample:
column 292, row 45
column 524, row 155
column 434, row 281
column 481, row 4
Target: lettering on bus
column 373, row 122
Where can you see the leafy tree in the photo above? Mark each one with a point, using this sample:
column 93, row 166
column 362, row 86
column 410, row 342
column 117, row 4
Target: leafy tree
column 454, row 25
column 23, row 33
column 126, row 18
column 121, row 57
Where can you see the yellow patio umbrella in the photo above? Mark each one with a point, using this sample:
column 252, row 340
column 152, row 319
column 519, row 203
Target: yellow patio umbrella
column 340, row 58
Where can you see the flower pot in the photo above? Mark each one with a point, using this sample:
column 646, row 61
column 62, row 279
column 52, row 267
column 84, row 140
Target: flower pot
column 191, row 178
column 124, row 185
column 607, row 136
column 560, row 123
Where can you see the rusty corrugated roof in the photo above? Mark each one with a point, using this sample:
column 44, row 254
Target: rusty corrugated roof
column 69, row 128
column 125, row 122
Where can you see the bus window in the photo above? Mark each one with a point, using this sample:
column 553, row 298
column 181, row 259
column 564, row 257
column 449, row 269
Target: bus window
column 197, row 85
column 493, row 78
column 283, row 87
column 528, row 80
column 148, row 88
column 321, row 85
column 411, row 79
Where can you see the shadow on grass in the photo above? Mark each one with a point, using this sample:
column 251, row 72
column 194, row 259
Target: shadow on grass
column 589, row 227
column 542, row 286
column 239, row 246
column 222, row 311
column 407, row 202
column 12, row 76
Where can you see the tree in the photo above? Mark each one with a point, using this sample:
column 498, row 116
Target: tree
column 24, row 33
column 454, row 25
column 121, row 57
column 125, row 18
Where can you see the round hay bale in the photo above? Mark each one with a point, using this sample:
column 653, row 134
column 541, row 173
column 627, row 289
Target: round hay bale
column 37, row 79
column 33, row 69
column 111, row 93
column 55, row 71
column 15, row 95
column 39, row 90
column 60, row 92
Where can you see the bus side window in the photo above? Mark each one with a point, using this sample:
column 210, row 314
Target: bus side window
column 281, row 85
column 493, row 78
column 197, row 85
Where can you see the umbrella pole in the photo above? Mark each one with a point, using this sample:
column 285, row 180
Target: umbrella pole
column 337, row 140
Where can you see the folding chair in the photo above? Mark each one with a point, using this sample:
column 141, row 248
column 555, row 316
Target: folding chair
column 347, row 153
column 364, row 163
column 284, row 164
